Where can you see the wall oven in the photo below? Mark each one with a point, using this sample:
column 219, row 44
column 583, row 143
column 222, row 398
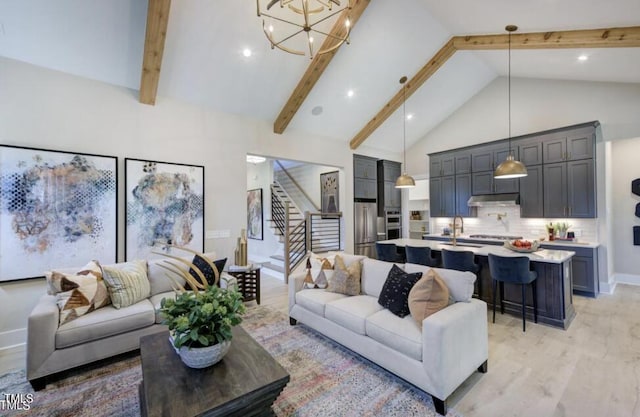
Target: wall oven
column 393, row 224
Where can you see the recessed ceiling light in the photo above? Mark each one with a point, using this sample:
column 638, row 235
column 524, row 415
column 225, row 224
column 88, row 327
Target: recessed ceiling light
column 246, row 52
column 583, row 57
column 409, row 116
column 255, row 159
column 350, row 93
column 317, row 110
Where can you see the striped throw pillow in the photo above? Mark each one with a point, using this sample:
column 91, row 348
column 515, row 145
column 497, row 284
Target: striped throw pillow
column 127, row 283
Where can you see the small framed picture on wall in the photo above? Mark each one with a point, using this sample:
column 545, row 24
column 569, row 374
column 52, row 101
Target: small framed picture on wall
column 254, row 214
column 329, row 188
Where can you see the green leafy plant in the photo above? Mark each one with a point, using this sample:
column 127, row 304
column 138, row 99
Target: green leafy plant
column 562, row 227
column 205, row 316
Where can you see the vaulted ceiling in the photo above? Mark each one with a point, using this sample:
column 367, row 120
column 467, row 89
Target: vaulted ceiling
column 203, row 63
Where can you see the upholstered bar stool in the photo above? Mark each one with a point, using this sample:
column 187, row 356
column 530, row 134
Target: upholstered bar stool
column 420, row 256
column 462, row 261
column 514, row 270
column 388, row 252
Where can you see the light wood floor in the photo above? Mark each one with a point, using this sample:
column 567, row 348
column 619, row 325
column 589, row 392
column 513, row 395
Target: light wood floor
column 590, row 370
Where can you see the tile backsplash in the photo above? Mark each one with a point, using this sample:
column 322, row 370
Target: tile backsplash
column 486, row 223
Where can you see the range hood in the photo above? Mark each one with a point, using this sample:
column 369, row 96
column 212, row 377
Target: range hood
column 494, row 200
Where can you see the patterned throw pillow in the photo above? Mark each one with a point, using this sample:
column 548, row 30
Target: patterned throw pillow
column 127, row 283
column 345, row 280
column 395, row 291
column 80, row 293
column 206, row 270
column 428, row 296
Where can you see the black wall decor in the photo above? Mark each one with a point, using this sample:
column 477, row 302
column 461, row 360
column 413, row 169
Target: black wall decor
column 638, row 210
column 635, row 186
column 636, row 235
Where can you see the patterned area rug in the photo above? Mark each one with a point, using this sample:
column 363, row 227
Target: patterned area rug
column 326, row 380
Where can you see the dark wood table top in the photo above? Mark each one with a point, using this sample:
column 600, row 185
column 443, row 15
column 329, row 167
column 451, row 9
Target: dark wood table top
column 246, row 375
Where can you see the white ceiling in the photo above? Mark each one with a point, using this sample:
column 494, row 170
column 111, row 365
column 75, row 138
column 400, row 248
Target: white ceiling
column 203, row 61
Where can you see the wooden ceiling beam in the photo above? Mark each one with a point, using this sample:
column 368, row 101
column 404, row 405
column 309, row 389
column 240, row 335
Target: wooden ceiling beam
column 318, row 65
column 590, row 38
column 157, row 21
column 412, row 86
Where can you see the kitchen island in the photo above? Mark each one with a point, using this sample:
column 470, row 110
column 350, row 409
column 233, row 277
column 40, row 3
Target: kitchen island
column 555, row 296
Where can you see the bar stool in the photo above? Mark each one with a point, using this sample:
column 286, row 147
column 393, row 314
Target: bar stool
column 462, row 261
column 388, row 252
column 514, row 270
column 420, row 256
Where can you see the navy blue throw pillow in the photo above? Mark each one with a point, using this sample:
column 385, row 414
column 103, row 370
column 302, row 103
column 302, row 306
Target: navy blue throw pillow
column 395, row 291
column 206, row 270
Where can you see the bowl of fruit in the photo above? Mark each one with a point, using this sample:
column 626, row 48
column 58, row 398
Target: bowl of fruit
column 521, row 245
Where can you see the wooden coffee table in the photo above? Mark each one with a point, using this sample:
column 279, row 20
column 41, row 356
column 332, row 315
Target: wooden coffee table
column 245, row 382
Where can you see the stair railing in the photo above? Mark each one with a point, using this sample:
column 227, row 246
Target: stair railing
column 295, row 243
column 324, row 231
column 309, row 202
column 278, row 212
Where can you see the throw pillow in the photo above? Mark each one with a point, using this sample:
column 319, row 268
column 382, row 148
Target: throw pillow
column 308, row 280
column 321, row 279
column 428, row 296
column 127, row 283
column 204, row 267
column 395, row 291
column 80, row 293
column 345, row 280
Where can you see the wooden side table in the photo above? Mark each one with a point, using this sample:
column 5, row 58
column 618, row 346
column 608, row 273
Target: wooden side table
column 248, row 283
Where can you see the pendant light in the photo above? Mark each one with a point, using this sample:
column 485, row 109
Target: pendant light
column 510, row 168
column 404, row 180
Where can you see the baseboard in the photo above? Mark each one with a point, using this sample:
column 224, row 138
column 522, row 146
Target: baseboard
column 13, row 338
column 607, row 287
column 630, row 279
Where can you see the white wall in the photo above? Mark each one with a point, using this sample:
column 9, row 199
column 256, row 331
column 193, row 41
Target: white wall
column 626, row 169
column 47, row 109
column 261, row 176
column 540, row 105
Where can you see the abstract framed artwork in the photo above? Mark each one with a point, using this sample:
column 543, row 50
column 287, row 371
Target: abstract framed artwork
column 254, row 214
column 329, row 188
column 57, row 209
column 164, row 206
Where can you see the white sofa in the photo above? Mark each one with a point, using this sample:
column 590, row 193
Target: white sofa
column 97, row 335
column 436, row 357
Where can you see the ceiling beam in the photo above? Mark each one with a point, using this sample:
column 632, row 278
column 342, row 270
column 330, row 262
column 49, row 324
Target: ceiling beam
column 412, row 86
column 590, row 38
column 157, row 21
column 318, row 65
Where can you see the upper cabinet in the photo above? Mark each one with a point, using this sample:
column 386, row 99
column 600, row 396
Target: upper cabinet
column 488, row 157
column 569, row 146
column 364, row 167
column 463, row 162
column 530, row 151
column 442, row 164
column 389, row 197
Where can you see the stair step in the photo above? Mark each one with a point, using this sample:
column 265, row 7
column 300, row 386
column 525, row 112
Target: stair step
column 277, row 257
column 274, row 267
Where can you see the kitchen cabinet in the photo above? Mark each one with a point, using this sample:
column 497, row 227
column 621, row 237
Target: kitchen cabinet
column 364, row 167
column 388, row 170
column 392, row 195
column 442, row 164
column 487, row 158
column 389, row 197
column 569, row 189
column 463, row 162
column 463, row 192
column 570, row 146
column 531, row 193
column 530, row 151
column 584, row 269
column 364, row 188
column 442, row 196
column 484, row 183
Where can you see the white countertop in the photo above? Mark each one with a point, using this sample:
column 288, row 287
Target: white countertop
column 542, row 255
column 579, row 243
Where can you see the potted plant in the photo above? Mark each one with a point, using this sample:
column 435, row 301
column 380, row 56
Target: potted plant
column 200, row 321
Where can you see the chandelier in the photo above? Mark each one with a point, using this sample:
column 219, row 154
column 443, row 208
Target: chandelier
column 313, row 19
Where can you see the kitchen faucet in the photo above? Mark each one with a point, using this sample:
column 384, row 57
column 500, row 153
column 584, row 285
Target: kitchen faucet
column 454, row 227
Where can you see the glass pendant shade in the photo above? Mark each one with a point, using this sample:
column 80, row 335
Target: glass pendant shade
column 405, row 181
column 510, row 168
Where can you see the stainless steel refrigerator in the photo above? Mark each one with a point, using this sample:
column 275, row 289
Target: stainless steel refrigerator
column 365, row 215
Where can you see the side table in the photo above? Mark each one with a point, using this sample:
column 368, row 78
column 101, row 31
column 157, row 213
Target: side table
column 248, row 283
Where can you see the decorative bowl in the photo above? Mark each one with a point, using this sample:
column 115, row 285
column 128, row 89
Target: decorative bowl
column 202, row 357
column 511, row 246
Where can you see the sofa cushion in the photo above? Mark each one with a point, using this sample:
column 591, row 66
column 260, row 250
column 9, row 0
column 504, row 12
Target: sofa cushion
column 156, row 299
column 351, row 312
column 460, row 283
column 345, row 279
column 105, row 322
column 374, row 275
column 127, row 282
column 401, row 334
column 395, row 291
column 316, row 300
column 428, row 296
column 206, row 270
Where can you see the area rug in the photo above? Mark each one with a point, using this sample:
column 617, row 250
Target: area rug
column 326, row 380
